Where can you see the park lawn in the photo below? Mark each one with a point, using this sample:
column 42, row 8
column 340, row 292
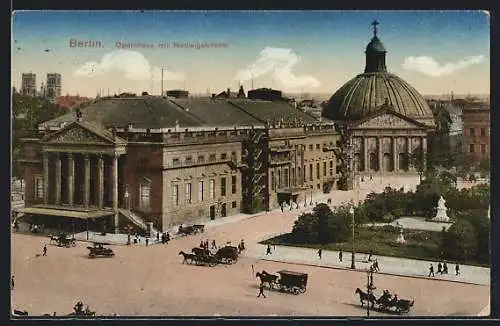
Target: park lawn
column 421, row 245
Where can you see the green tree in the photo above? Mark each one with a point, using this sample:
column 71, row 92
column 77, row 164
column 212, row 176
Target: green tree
column 460, row 241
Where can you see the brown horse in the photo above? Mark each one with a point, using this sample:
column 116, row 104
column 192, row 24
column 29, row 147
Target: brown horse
column 189, row 258
column 365, row 297
column 265, row 277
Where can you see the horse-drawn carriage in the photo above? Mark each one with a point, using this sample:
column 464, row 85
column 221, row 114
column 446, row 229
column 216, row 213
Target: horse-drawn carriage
column 287, row 281
column 191, row 229
column 98, row 249
column 386, row 302
column 62, row 240
column 201, row 256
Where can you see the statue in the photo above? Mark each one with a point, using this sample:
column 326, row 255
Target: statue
column 401, row 238
column 441, row 215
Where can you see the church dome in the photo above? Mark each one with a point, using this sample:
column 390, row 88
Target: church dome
column 375, row 90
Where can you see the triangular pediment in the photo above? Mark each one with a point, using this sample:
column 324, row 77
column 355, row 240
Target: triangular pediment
column 76, row 133
column 388, row 120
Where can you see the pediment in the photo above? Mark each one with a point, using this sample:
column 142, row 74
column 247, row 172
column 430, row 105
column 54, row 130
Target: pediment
column 76, row 134
column 387, row 121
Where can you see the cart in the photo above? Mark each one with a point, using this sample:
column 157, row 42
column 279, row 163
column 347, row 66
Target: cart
column 293, row 282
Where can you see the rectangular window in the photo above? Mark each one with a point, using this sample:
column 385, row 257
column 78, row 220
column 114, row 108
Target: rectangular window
column 285, row 178
column 175, row 195
column 176, row 162
column 233, row 184
column 317, row 147
column 311, row 147
column 293, row 177
column 310, row 172
column 145, row 195
column 279, row 179
column 222, row 186
column 233, row 204
column 324, row 169
column 188, row 193
column 212, row 158
column 483, row 148
column 39, row 187
column 483, row 132
column 212, row 189
column 299, row 171
column 317, row 171
column 189, row 160
column 331, row 168
column 223, row 156
column 472, row 132
column 471, row 148
column 273, row 182
column 201, row 159
column 200, row 190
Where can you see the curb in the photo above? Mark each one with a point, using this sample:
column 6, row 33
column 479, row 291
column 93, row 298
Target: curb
column 363, row 271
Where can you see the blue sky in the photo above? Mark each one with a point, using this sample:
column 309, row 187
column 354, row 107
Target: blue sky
column 309, row 51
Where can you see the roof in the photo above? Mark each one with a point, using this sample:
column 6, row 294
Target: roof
column 370, row 92
column 375, row 45
column 269, row 111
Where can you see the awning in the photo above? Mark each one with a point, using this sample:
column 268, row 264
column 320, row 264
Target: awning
column 65, row 213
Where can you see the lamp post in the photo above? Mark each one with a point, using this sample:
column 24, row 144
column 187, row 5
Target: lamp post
column 311, row 202
column 369, row 288
column 351, row 211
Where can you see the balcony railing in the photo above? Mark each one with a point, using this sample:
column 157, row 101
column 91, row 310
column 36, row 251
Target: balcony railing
column 234, row 162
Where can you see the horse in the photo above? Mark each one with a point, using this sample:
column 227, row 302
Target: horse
column 189, row 258
column 200, row 251
column 365, row 297
column 265, row 277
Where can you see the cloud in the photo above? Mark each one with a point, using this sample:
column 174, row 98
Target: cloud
column 280, row 62
column 132, row 64
column 430, row 67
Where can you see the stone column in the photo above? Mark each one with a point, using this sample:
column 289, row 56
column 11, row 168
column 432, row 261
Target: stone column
column 380, row 155
column 45, row 177
column 394, row 154
column 86, row 191
column 366, row 156
column 100, row 191
column 409, row 140
column 71, row 178
column 424, row 150
column 58, row 178
column 115, row 191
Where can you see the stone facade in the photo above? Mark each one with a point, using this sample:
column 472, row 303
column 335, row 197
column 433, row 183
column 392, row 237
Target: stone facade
column 476, row 133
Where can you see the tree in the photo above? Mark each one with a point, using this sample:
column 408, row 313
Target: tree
column 460, row 241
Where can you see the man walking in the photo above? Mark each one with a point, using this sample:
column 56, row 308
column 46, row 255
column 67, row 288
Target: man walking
column 147, row 242
column 214, row 246
column 457, row 270
column 431, row 271
column 445, row 268
column 340, row 255
column 440, row 268
column 261, row 290
column 45, row 250
column 268, row 251
column 320, row 251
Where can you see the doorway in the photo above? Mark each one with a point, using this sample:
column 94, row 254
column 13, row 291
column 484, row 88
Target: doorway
column 212, row 212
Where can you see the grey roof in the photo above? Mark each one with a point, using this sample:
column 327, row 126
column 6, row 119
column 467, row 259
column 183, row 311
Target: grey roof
column 269, row 111
column 375, row 45
column 216, row 112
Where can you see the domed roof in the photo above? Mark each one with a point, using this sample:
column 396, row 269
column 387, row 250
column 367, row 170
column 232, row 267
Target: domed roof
column 375, row 90
column 368, row 93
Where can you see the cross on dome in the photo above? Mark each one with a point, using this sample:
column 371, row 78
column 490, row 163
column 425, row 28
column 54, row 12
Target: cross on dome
column 374, row 24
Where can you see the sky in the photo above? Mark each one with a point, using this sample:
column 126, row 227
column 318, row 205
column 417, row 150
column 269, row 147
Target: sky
column 209, row 51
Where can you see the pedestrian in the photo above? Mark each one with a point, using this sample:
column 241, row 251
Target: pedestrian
column 370, row 254
column 440, row 268
column 375, row 266
column 213, row 244
column 319, row 253
column 431, row 271
column 12, row 282
column 206, row 244
column 163, row 238
column 168, row 237
column 147, row 242
column 158, row 236
column 445, row 268
column 253, row 272
column 457, row 270
column 281, row 206
column 340, row 255
column 268, row 251
column 45, row 250
column 261, row 290
column 371, row 177
column 202, row 244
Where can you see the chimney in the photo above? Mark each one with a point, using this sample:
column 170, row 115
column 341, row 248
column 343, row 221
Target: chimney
column 228, row 92
column 213, row 96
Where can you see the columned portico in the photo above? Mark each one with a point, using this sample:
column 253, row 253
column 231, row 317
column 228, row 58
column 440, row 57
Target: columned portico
column 365, row 155
column 394, row 154
column 380, row 154
column 71, row 179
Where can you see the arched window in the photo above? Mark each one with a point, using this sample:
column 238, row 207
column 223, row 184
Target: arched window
column 145, row 194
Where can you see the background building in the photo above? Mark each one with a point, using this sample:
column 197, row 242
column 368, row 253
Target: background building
column 476, row 132
column 28, row 86
column 53, row 85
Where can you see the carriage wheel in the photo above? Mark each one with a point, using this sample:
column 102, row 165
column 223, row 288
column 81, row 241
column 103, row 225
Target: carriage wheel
column 302, row 289
column 229, row 261
column 91, row 255
column 295, row 291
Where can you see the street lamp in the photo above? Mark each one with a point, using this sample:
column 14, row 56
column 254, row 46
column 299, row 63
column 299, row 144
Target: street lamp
column 351, row 211
column 310, row 204
column 369, row 288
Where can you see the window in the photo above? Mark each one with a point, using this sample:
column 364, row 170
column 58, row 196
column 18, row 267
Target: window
column 175, row 195
column 188, row 193
column 233, row 156
column 176, row 162
column 200, row 190
column 223, row 156
column 471, row 148
column 285, row 178
column 145, row 195
column 233, row 204
column 299, row 171
column 318, row 186
column 201, row 159
column 317, row 171
column 222, row 186
column 279, row 179
column 233, row 184
column 310, row 147
column 273, row 182
column 212, row 158
column 310, row 172
column 483, row 132
column 317, row 147
column 189, row 160
column 39, row 187
column 472, row 132
column 483, row 148
column 212, row 189
column 324, row 169
column 331, row 168
column 293, row 177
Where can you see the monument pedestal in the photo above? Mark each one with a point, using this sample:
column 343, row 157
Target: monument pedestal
column 441, row 215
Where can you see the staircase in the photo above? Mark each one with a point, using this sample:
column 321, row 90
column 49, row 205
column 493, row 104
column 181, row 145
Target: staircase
column 136, row 219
